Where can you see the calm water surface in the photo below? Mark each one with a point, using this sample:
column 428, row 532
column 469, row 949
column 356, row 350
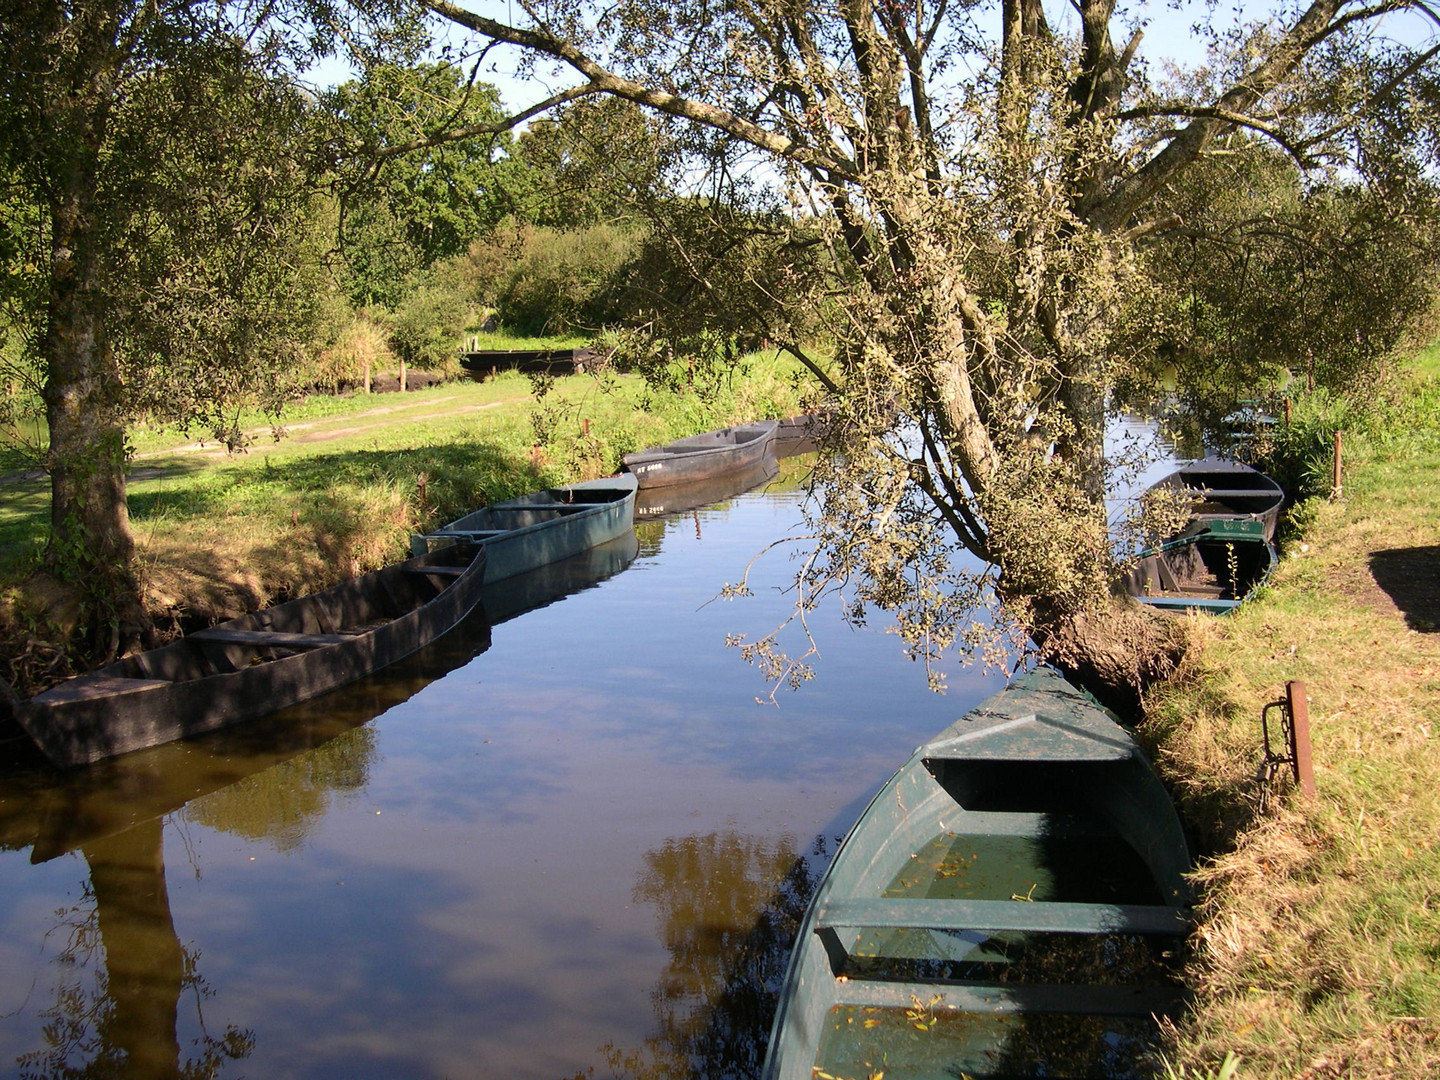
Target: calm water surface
column 563, row 842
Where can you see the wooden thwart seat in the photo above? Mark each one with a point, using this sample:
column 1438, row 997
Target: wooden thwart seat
column 996, row 915
column 1232, row 493
column 1013, row 998
column 231, row 636
column 86, row 687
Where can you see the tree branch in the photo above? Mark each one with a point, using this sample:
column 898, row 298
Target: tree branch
column 601, row 80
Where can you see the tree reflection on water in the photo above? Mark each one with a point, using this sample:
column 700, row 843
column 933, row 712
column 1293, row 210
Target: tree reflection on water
column 716, row 999
column 125, row 972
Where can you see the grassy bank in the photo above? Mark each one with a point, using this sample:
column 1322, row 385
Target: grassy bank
column 1318, row 951
column 342, row 488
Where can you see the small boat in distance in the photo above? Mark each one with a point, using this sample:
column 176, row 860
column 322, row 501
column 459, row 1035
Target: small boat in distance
column 249, row 667
column 703, row 457
column 1226, row 490
column 800, row 434
column 1212, row 571
column 542, row 527
column 1005, row 906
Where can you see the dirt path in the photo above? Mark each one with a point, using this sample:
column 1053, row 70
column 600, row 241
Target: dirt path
column 321, row 430
column 325, row 429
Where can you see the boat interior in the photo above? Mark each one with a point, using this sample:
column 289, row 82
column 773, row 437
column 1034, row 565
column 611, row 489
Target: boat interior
column 1034, row 916
column 1206, row 567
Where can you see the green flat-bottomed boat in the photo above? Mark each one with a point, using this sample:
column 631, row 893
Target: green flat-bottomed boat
column 1006, row 906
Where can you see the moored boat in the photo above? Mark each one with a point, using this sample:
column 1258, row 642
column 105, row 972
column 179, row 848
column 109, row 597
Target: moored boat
column 251, row 666
column 703, row 457
column 1213, row 571
column 542, row 527
column 661, row 502
column 1226, row 490
column 1003, row 907
column 800, row 434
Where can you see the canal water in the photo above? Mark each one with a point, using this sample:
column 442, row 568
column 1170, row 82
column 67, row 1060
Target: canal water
column 565, row 841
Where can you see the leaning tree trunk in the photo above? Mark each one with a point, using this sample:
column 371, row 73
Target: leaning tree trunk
column 1116, row 652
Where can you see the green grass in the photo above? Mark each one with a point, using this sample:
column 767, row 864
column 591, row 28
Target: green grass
column 1318, row 952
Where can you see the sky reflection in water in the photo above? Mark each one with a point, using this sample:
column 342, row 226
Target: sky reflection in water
column 573, row 854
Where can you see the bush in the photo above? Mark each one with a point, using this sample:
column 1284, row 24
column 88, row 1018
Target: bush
column 544, row 281
column 429, row 327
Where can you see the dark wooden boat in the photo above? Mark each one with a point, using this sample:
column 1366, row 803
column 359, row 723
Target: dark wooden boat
column 703, row 457
column 250, row 666
column 52, row 815
column 481, row 363
column 1003, row 907
column 659, row 502
column 1226, row 490
column 1212, row 571
column 800, row 434
column 542, row 527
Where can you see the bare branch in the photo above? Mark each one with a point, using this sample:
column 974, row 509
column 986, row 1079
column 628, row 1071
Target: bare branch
column 601, row 80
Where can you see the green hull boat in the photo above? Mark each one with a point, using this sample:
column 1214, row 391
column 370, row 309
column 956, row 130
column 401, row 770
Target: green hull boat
column 1007, row 906
column 524, row 534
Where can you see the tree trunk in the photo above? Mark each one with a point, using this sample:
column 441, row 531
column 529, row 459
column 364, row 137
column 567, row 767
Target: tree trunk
column 91, row 545
column 1116, row 653
column 145, row 965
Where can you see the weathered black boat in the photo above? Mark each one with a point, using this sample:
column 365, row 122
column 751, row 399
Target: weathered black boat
column 53, row 815
column 1003, row 907
column 251, row 666
column 661, row 502
column 480, row 363
column 542, row 527
column 1213, row 571
column 1226, row 490
column 800, row 434
column 703, row 457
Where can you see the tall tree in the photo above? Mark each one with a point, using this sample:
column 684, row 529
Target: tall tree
column 165, row 164
column 991, row 184
column 409, row 199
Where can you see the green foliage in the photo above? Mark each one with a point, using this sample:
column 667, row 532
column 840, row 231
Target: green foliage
column 403, row 210
column 543, row 281
column 590, row 163
column 427, row 328
column 214, row 266
column 1324, row 278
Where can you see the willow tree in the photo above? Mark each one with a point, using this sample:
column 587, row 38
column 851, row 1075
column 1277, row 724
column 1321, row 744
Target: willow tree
column 989, row 180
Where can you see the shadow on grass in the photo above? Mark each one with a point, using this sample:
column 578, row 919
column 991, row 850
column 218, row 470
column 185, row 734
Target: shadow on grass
column 1411, row 578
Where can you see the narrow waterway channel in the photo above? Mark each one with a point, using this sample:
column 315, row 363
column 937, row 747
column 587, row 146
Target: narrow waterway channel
column 564, row 842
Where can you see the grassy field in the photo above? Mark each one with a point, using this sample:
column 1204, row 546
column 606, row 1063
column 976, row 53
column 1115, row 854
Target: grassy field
column 1318, row 951
column 339, row 484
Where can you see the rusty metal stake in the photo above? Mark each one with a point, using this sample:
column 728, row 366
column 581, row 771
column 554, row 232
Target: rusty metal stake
column 1294, row 739
column 1300, row 737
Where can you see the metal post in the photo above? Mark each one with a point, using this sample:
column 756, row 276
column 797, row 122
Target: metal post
column 1336, row 485
column 1300, row 737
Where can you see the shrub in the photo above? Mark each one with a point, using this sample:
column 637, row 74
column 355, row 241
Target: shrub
column 545, row 281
